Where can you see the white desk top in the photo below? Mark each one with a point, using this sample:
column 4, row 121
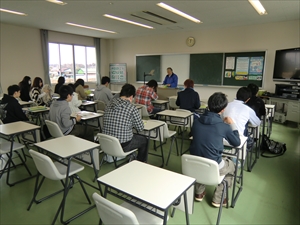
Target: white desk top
column 174, row 113
column 25, row 103
column 158, row 101
column 115, row 92
column 86, row 115
column 84, row 103
column 151, row 184
column 242, row 138
column 17, row 127
column 42, row 109
column 268, row 106
column 152, row 124
column 67, row 146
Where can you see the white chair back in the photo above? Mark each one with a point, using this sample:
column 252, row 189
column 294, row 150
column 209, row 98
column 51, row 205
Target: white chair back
column 205, row 171
column 164, row 131
column 111, row 145
column 45, row 166
column 100, row 105
column 54, row 129
column 172, row 102
column 111, row 213
column 190, row 119
column 144, row 112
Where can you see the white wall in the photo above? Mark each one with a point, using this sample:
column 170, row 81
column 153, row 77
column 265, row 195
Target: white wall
column 266, row 37
column 20, row 54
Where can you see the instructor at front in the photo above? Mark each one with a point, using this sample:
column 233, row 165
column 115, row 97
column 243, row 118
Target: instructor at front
column 171, row 79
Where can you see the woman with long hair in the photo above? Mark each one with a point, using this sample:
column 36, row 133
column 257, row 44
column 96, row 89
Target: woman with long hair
column 36, row 93
column 25, row 89
column 79, row 89
column 60, row 82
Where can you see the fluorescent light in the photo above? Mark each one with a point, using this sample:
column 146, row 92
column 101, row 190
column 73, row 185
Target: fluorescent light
column 13, row 12
column 127, row 21
column 92, row 28
column 176, row 11
column 57, row 2
column 258, row 7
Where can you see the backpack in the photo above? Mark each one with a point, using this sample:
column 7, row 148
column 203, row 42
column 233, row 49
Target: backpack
column 270, row 148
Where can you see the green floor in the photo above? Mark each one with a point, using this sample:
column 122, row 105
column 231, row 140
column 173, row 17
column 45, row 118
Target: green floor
column 270, row 194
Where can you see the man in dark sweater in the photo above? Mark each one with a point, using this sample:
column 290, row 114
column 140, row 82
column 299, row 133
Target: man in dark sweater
column 188, row 98
column 208, row 132
column 13, row 109
column 256, row 103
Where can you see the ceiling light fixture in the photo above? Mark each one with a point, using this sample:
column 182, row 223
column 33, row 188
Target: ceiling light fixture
column 127, row 21
column 13, row 12
column 57, row 2
column 258, row 7
column 92, row 28
column 178, row 12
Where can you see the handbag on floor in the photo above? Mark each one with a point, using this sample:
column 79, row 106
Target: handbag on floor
column 270, row 148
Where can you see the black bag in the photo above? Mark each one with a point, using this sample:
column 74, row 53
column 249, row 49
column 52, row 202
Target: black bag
column 270, row 148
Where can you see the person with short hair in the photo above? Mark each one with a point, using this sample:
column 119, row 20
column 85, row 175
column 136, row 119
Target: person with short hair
column 240, row 113
column 60, row 113
column 188, row 98
column 25, row 85
column 171, row 79
column 79, row 89
column 13, row 109
column 146, row 94
column 60, row 82
column 208, row 132
column 256, row 103
column 102, row 92
column 120, row 116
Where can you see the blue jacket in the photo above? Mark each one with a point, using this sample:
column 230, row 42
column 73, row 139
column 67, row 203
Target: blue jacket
column 208, row 132
column 172, row 80
column 188, row 99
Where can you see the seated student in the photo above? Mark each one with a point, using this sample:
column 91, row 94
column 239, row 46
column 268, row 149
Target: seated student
column 146, row 94
column 256, row 103
column 240, row 113
column 13, row 109
column 120, row 117
column 60, row 113
column 208, row 132
column 79, row 89
column 47, row 98
column 102, row 92
column 188, row 99
column 36, row 93
column 74, row 103
column 60, row 82
column 171, row 79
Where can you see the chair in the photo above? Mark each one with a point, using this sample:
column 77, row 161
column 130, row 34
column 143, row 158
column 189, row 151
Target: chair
column 144, row 111
column 172, row 102
column 100, row 105
column 111, row 213
column 54, row 129
column 54, row 171
column 205, row 171
column 111, row 146
column 5, row 150
column 165, row 133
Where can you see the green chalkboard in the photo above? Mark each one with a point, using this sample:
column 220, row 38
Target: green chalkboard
column 243, row 68
column 148, row 64
column 206, row 68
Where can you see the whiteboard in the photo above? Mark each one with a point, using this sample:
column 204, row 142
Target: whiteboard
column 180, row 63
column 118, row 73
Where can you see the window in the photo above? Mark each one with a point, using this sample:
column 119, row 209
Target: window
column 72, row 62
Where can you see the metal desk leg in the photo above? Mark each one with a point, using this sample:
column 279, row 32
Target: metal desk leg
column 186, row 208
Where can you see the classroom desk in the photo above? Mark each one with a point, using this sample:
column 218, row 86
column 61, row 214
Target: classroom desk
column 163, row 104
column 87, row 116
column 147, row 187
column 11, row 131
column 115, row 92
column 74, row 146
column 23, row 103
column 152, row 130
column 178, row 118
column 86, row 104
column 238, row 179
column 254, row 132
